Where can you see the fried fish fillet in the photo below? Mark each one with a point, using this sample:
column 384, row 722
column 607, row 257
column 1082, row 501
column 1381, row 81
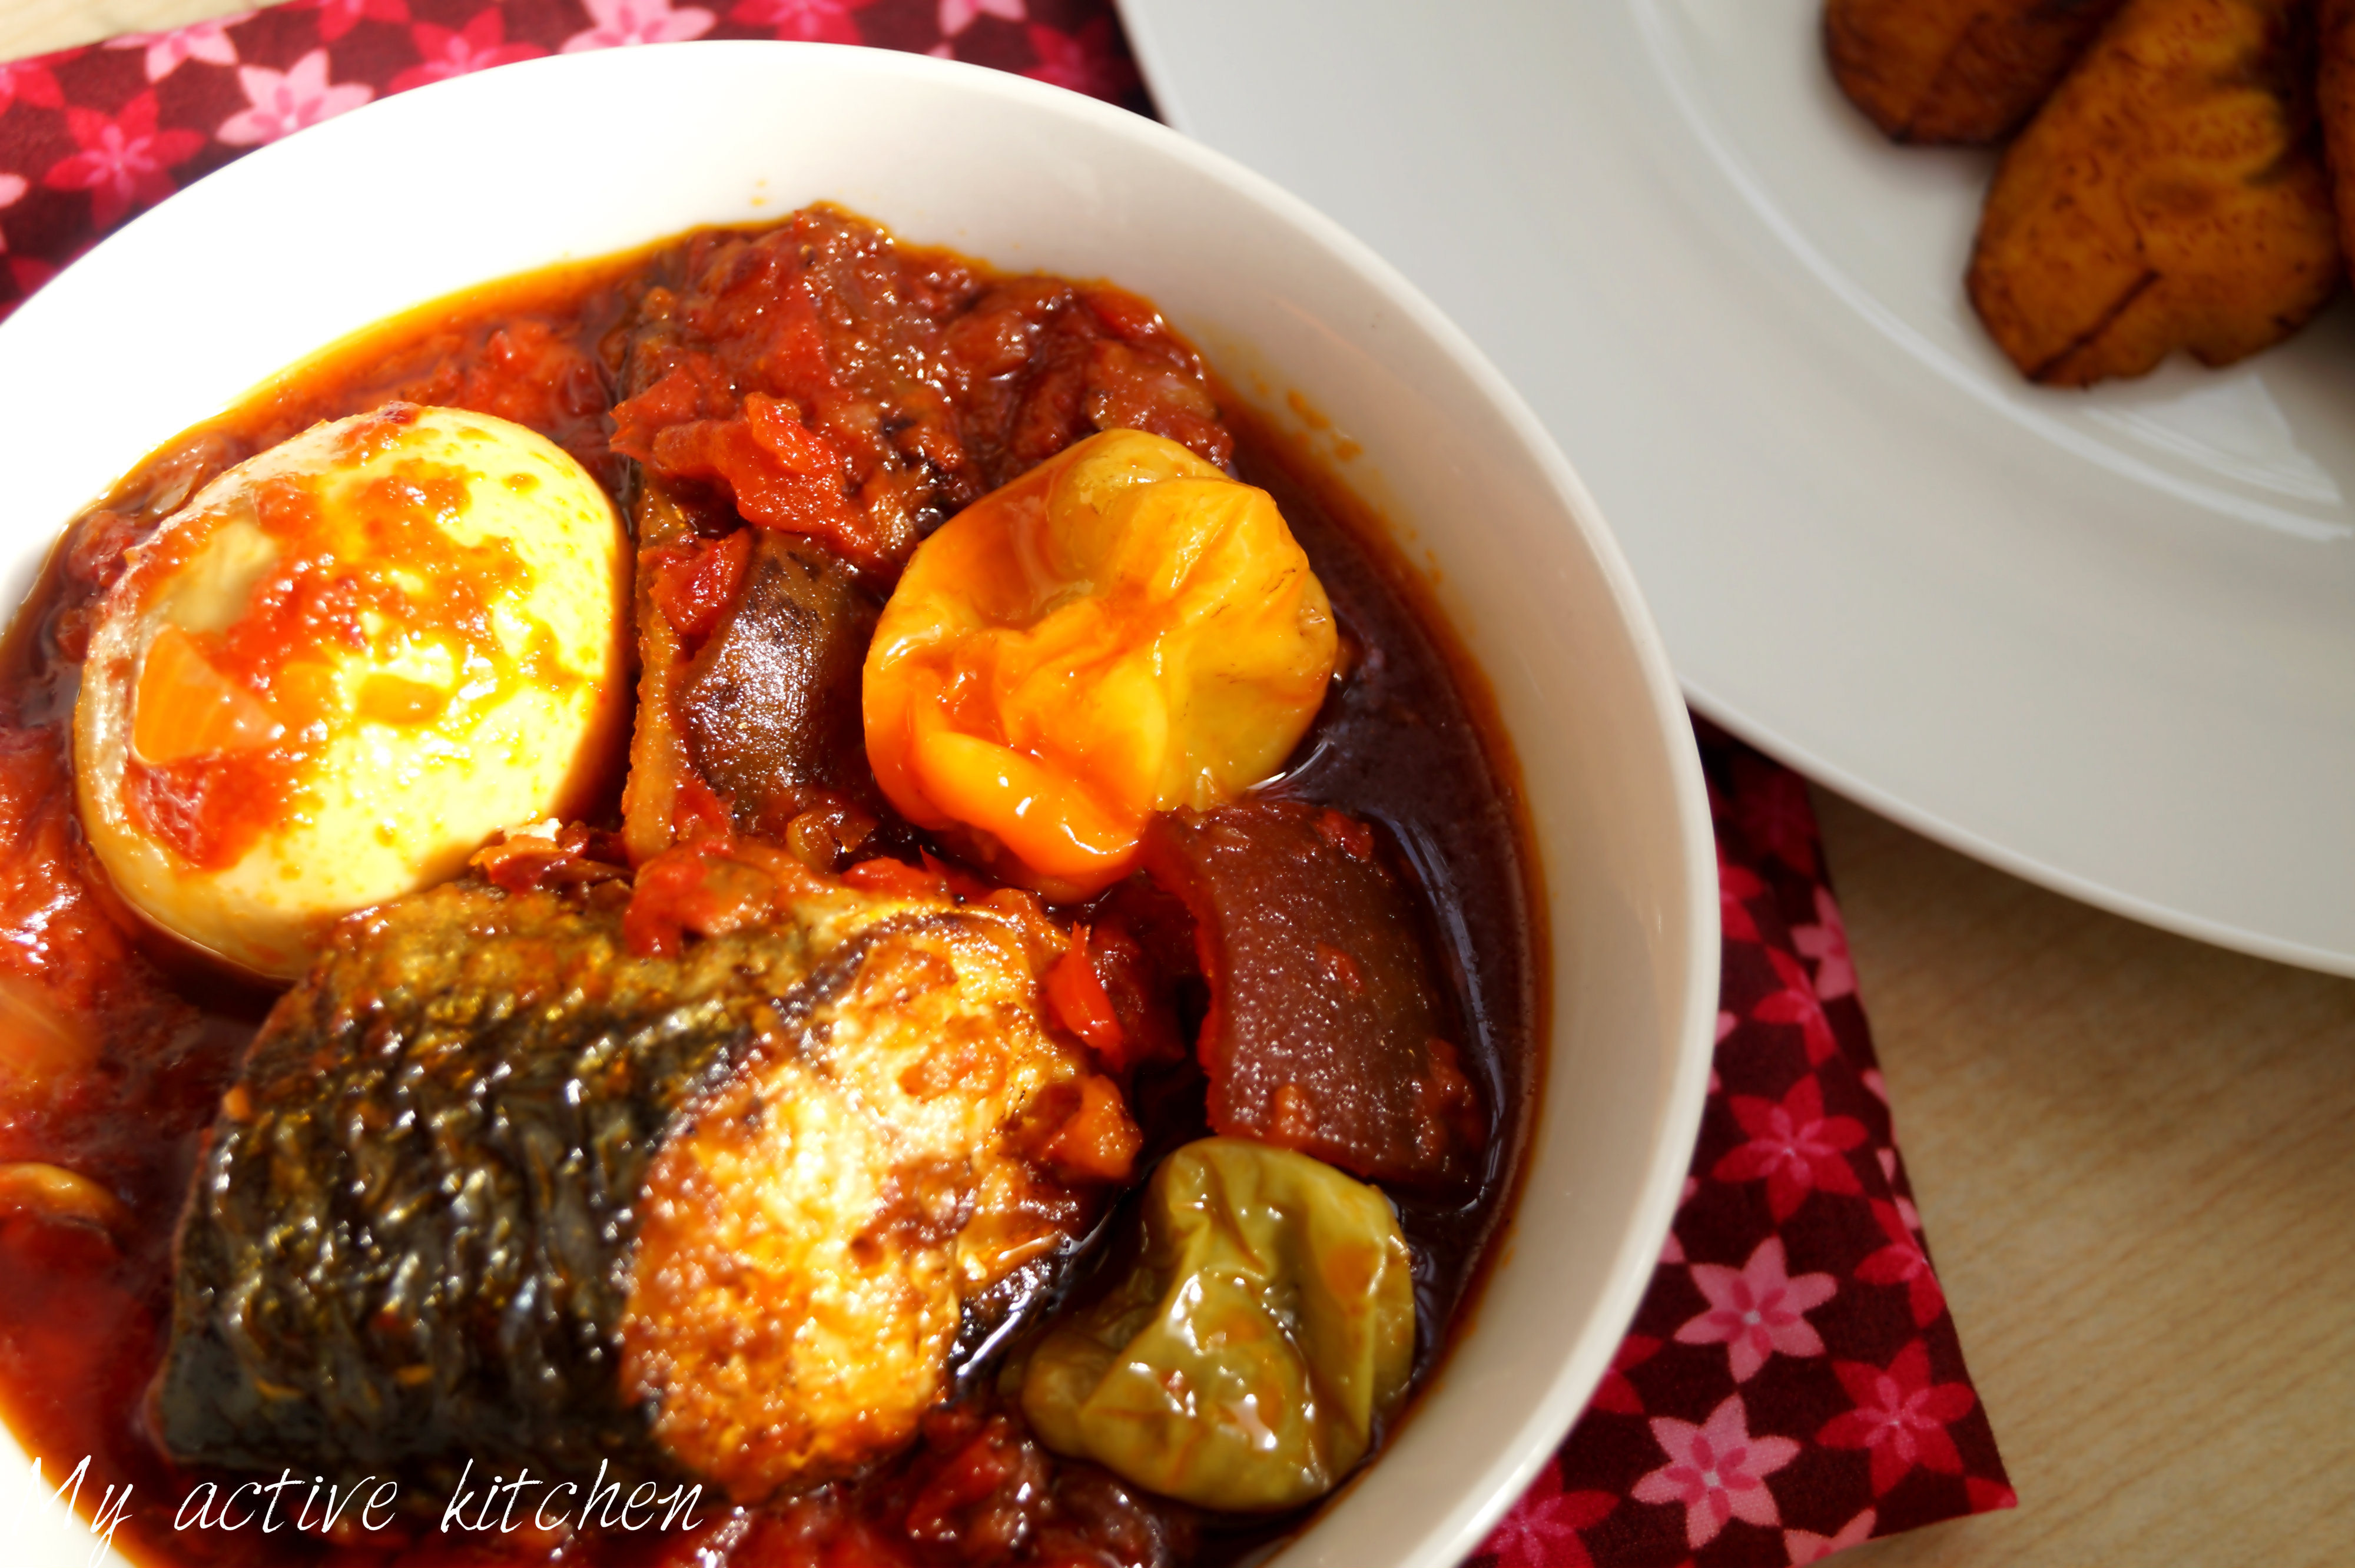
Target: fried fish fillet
column 2169, row 195
column 495, row 1184
column 1955, row 70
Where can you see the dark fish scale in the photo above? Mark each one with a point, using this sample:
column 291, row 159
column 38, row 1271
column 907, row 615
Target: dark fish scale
column 416, row 1245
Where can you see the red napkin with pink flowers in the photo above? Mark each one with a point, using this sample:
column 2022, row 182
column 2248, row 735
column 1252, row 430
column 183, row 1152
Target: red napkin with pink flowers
column 1792, row 1383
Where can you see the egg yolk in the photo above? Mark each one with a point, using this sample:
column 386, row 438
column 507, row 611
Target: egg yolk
column 1121, row 631
column 344, row 664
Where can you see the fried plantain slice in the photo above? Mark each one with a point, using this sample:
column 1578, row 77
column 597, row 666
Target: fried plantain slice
column 1955, row 70
column 2335, row 99
column 2169, row 195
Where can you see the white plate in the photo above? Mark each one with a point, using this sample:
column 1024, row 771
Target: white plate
column 475, row 178
column 2105, row 641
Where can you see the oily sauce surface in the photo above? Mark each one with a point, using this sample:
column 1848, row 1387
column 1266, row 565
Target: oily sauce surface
column 118, row 1085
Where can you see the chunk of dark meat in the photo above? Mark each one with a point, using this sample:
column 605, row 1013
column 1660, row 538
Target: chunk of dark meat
column 1140, row 947
column 494, row 1184
column 770, row 702
column 1325, row 1029
column 1044, row 364
column 789, row 370
column 824, row 380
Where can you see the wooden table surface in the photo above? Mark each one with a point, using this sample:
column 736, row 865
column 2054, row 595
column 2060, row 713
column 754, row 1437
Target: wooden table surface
column 2135, row 1155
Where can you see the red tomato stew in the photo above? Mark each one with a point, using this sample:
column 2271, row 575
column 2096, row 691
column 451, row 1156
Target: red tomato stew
column 1007, row 1038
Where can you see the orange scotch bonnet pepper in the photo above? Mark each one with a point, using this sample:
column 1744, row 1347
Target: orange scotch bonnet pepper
column 1123, row 630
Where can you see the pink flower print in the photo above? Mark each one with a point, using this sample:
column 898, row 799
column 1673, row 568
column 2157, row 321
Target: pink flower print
column 283, row 103
column 1772, row 810
column 1793, row 1145
column 1900, row 1417
column 620, row 22
column 31, row 80
column 1757, row 1310
column 478, row 45
column 1887, row 1158
column 1796, row 1003
column 1826, row 941
column 1726, row 1024
column 167, row 52
column 1735, row 886
column 1614, row 1392
column 1543, row 1526
column 1872, row 1079
column 1716, row 1470
column 1905, row 1209
column 1088, row 60
column 815, row 21
column 1903, row 1262
column 337, row 18
column 1803, row 1546
column 956, row 15
column 12, row 191
column 123, row 162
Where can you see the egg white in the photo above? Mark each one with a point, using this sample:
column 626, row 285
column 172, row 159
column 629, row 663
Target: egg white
column 383, row 809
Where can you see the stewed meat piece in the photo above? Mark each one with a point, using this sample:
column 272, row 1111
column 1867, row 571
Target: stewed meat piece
column 1326, row 1031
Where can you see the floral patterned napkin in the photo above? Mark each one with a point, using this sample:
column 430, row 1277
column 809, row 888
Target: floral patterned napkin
column 1792, row 1383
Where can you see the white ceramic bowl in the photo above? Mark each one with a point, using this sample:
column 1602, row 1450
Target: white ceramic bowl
column 469, row 180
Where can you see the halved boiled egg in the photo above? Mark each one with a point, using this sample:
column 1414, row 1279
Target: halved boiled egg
column 331, row 676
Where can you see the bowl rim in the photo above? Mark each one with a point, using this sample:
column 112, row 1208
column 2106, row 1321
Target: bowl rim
column 1574, row 1375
